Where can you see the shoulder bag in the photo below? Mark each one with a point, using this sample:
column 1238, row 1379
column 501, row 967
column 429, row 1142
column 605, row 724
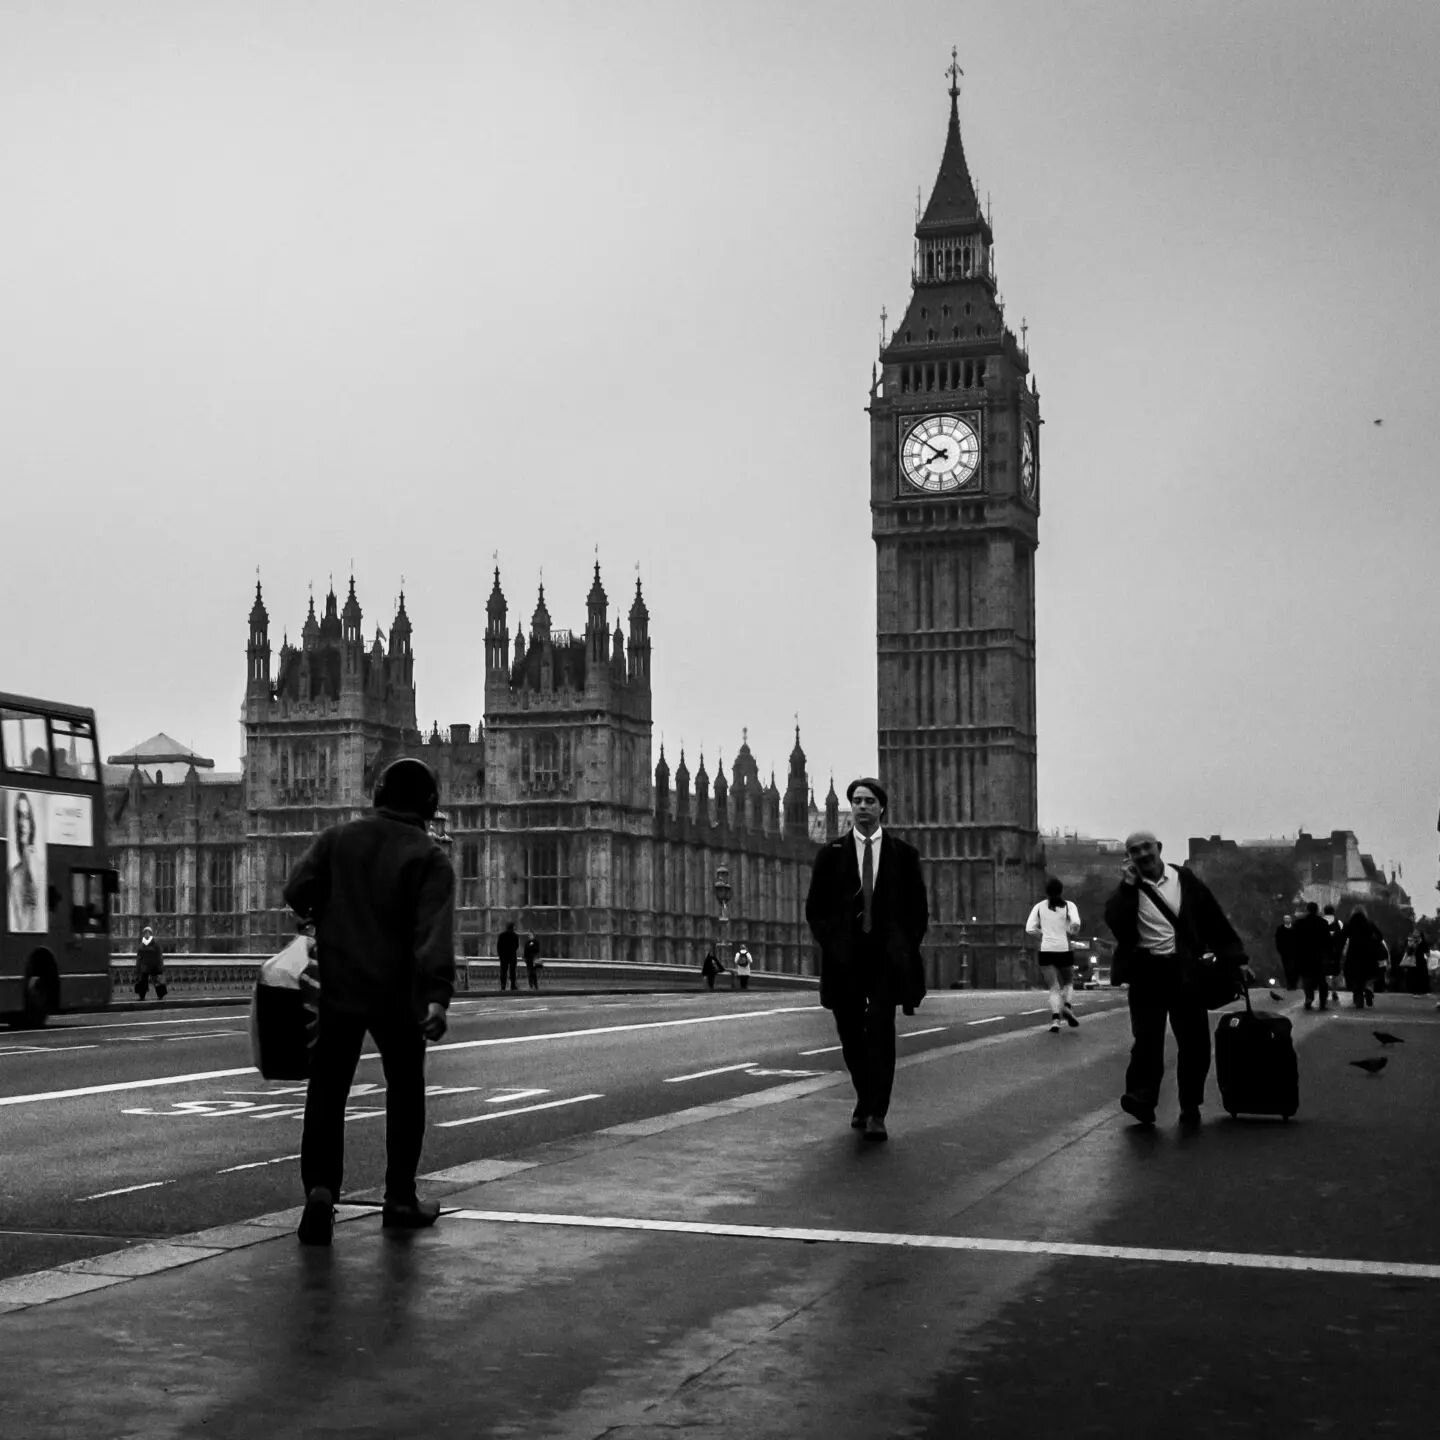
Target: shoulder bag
column 1215, row 983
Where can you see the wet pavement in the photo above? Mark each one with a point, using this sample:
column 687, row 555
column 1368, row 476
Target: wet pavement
column 1018, row 1260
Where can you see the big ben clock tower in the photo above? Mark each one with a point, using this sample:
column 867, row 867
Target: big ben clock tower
column 955, row 500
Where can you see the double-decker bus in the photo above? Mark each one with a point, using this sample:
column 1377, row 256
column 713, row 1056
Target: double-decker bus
column 56, row 879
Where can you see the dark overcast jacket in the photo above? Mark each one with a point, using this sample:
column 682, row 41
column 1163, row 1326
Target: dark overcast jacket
column 382, row 895
column 1203, row 927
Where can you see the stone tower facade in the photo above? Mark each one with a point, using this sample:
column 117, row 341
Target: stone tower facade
column 317, row 736
column 955, row 502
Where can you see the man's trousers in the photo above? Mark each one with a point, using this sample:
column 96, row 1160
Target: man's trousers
column 401, row 1044
column 865, row 1023
column 1154, row 999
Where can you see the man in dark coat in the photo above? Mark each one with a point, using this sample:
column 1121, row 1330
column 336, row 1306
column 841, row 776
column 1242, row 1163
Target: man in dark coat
column 532, row 961
column 868, row 910
column 1312, row 952
column 381, row 893
column 149, row 966
column 1165, row 963
column 507, row 948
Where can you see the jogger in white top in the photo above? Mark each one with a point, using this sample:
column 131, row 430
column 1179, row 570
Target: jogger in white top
column 1054, row 920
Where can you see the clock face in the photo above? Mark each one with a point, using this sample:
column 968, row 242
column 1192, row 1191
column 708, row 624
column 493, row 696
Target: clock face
column 940, row 453
column 1028, row 469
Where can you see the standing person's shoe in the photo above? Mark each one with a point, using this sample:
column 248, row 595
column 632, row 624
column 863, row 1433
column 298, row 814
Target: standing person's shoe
column 1309, row 1004
column 1070, row 1019
column 1190, row 1117
column 875, row 1128
column 1137, row 1109
column 418, row 1215
column 317, row 1220
column 857, row 1120
column 1054, row 1024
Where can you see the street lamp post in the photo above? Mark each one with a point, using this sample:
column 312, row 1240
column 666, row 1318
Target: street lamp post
column 722, row 897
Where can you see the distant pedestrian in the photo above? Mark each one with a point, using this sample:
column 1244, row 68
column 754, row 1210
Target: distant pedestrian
column 710, row 967
column 149, row 966
column 743, row 962
column 1169, row 929
column 1413, row 971
column 507, row 947
column 532, row 961
column 381, row 893
column 1053, row 921
column 1312, row 954
column 1337, row 947
column 1362, row 957
column 868, row 910
column 1285, row 948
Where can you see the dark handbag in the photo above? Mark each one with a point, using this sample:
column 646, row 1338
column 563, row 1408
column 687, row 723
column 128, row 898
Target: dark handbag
column 1214, row 982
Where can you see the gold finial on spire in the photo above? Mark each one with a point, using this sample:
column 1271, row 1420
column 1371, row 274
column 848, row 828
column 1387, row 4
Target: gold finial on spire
column 954, row 72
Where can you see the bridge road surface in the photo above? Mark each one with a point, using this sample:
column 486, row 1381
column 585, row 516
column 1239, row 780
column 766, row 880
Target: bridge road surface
column 1019, row 1260
column 102, row 1155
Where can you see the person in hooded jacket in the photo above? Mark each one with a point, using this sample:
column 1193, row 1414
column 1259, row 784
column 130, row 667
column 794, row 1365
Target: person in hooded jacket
column 381, row 893
column 1362, row 957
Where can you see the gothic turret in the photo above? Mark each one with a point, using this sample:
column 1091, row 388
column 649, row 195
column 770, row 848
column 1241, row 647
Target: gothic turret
column 797, row 793
column 662, row 782
column 682, row 788
column 702, row 795
column 352, row 675
column 496, row 630
column 402, row 658
column 330, row 630
column 597, row 624
column 540, row 620
column 639, row 639
column 257, row 652
column 310, row 630
column 832, row 812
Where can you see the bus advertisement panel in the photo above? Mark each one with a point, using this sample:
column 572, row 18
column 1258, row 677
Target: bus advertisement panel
column 57, row 877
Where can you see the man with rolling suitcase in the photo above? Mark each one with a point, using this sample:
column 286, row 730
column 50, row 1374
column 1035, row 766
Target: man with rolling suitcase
column 1179, row 955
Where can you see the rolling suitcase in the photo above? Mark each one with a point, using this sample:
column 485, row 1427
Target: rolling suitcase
column 1255, row 1064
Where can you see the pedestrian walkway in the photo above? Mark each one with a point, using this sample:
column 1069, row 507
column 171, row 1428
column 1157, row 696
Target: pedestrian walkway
column 1017, row 1260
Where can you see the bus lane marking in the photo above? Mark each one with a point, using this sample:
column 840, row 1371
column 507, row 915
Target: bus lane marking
column 522, row 1110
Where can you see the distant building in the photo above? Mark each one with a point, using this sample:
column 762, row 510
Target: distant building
column 1331, row 869
column 558, row 816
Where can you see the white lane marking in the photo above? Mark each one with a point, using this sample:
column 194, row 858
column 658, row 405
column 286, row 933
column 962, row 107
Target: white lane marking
column 933, row 1030
column 506, row 1097
column 523, row 1110
column 703, row 1074
column 1041, row 1011
column 198, row 1035
column 988, row 1020
column 123, row 1190
column 1244, row 1260
column 824, row 1050
column 136, row 1024
column 45, row 1049
column 118, row 1085
column 257, row 1164
column 624, row 1029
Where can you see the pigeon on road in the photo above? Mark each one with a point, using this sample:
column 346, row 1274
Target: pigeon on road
column 1387, row 1039
column 1373, row 1065
column 1276, row 996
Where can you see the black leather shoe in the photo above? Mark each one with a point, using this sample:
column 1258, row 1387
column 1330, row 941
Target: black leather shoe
column 1137, row 1109
column 857, row 1121
column 1190, row 1117
column 875, row 1128
column 419, row 1216
column 317, row 1220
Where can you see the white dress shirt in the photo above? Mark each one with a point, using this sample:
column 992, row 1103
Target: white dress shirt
column 874, row 854
column 1157, row 935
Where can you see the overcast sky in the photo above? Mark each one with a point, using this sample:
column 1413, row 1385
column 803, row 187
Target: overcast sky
column 400, row 285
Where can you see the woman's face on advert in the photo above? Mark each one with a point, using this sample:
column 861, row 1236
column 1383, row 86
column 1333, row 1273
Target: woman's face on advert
column 24, row 822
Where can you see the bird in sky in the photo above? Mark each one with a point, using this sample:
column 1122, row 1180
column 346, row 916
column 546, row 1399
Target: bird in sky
column 1372, row 1065
column 1377, row 422
column 1385, row 1038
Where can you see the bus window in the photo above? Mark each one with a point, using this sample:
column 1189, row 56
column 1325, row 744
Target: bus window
column 23, row 741
column 88, row 911
column 75, row 757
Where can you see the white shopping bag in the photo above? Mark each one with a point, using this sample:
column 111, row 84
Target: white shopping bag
column 282, row 1013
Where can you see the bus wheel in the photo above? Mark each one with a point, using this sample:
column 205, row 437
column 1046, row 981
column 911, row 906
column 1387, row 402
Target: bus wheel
column 41, row 995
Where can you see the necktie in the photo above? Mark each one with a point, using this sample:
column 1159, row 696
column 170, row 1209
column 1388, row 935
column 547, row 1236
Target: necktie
column 867, row 886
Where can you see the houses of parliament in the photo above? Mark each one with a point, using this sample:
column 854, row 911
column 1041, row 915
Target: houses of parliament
column 560, row 816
